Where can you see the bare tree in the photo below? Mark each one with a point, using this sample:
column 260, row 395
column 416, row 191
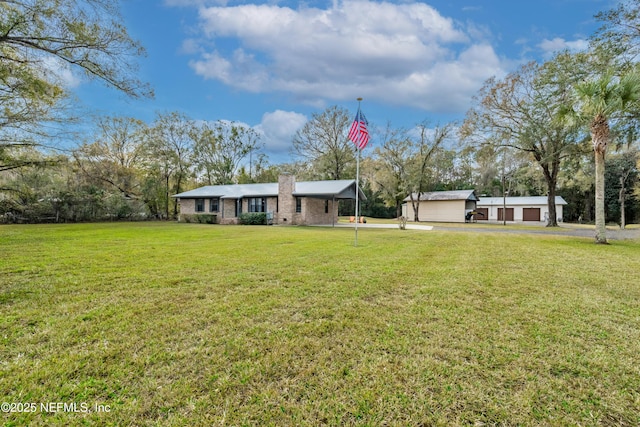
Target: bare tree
column 423, row 147
column 116, row 155
column 169, row 153
column 219, row 149
column 323, row 142
column 391, row 165
column 403, row 163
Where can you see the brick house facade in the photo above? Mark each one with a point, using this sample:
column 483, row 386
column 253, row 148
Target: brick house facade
column 288, row 202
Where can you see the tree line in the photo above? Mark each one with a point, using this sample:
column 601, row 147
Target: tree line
column 565, row 127
column 127, row 170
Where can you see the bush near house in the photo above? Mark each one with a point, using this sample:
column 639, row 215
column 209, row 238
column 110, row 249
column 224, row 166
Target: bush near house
column 253, row 218
column 199, row 218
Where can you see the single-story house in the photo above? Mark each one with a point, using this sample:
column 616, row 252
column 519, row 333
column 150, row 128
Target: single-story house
column 441, row 206
column 285, row 201
column 518, row 209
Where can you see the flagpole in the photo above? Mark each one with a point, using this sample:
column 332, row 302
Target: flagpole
column 357, row 183
column 357, row 192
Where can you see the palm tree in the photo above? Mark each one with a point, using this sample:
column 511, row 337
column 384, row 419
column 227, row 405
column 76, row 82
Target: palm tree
column 600, row 101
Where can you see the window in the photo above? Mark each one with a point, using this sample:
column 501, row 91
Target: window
column 298, row 204
column 238, row 207
column 326, row 206
column 199, row 205
column 257, row 204
column 214, row 205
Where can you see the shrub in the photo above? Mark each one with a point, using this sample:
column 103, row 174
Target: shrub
column 253, row 218
column 206, row 219
column 199, row 218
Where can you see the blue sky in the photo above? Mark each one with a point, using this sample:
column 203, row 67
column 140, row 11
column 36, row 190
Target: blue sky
column 271, row 65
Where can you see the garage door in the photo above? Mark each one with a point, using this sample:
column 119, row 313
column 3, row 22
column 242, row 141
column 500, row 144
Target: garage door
column 483, row 214
column 509, row 214
column 531, row 214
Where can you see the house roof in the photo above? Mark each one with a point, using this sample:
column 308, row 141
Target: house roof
column 340, row 189
column 518, row 201
column 445, row 195
column 233, row 191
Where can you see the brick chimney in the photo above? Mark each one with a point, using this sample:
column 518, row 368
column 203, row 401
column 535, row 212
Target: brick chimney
column 286, row 201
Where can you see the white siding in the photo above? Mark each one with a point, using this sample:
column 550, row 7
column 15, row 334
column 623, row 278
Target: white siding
column 519, row 204
column 438, row 211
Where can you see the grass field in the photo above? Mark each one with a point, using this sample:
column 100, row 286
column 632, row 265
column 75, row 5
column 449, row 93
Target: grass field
column 180, row 324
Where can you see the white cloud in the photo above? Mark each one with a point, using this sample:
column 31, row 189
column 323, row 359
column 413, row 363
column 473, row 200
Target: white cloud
column 447, row 86
column 190, row 46
column 405, row 54
column 60, row 72
column 239, row 70
column 558, row 44
column 277, row 130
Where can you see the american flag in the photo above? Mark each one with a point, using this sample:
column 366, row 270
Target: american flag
column 358, row 134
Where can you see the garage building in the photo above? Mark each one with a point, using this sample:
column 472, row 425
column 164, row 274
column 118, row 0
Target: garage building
column 441, row 206
column 518, row 209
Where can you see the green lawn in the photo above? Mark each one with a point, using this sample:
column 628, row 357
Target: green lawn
column 202, row 325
